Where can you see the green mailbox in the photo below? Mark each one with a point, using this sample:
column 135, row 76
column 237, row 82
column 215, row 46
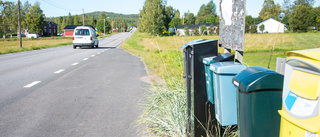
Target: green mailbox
column 259, row 97
column 208, row 73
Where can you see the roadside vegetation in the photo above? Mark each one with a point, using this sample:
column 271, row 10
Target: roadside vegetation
column 165, row 112
column 11, row 45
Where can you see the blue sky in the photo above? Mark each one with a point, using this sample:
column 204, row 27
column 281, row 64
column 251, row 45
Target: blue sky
column 50, row 7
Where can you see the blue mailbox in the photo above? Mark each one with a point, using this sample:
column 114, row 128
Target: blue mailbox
column 208, row 73
column 225, row 96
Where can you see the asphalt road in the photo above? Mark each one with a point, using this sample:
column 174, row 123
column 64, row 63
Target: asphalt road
column 66, row 92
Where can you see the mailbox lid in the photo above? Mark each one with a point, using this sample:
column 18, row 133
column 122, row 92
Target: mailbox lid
column 208, row 60
column 310, row 55
column 196, row 42
column 228, row 67
column 258, row 79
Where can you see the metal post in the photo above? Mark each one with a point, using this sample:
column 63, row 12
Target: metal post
column 188, row 58
column 281, row 64
column 19, row 25
column 239, row 56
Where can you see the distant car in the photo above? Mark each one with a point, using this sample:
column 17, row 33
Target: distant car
column 22, row 35
column 84, row 36
column 60, row 34
column 32, row 36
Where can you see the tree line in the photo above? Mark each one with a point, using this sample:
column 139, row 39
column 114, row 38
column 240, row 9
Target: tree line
column 156, row 17
column 97, row 19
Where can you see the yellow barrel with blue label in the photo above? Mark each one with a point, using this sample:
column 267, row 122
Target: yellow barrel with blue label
column 300, row 99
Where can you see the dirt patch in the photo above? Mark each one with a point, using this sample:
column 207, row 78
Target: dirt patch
column 153, row 79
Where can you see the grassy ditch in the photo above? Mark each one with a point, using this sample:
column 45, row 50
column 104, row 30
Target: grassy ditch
column 165, row 109
column 12, row 45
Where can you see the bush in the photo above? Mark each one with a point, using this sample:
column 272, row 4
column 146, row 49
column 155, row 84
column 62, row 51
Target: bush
column 211, row 29
column 253, row 29
column 261, row 28
column 170, row 33
column 218, row 29
column 195, row 31
column 203, row 30
column 186, row 31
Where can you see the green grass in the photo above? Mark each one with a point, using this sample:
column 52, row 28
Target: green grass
column 165, row 109
column 12, row 45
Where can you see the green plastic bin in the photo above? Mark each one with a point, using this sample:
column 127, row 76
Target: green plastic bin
column 259, row 97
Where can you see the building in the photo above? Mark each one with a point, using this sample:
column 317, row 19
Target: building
column 50, row 29
column 69, row 29
column 271, row 26
column 180, row 28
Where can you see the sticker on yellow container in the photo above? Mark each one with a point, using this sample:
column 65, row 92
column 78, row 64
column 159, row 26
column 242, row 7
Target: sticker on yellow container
column 299, row 106
column 310, row 134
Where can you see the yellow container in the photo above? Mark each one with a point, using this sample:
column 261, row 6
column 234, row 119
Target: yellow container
column 300, row 115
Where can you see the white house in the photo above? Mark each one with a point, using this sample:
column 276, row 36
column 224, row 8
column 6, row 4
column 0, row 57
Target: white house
column 180, row 29
column 271, row 26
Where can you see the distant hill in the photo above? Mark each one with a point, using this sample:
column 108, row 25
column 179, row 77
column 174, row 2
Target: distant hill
column 130, row 18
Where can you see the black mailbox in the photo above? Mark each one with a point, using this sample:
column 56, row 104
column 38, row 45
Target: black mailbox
column 193, row 54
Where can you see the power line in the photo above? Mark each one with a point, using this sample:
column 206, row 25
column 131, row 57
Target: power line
column 59, row 6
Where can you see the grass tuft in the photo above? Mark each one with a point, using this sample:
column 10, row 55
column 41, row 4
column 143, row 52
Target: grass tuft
column 165, row 112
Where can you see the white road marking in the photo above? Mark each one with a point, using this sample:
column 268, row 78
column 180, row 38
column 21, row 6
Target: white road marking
column 93, row 55
column 59, row 71
column 85, row 59
column 102, row 51
column 98, row 53
column 74, row 64
column 32, row 84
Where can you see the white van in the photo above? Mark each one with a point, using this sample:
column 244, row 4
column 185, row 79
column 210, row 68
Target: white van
column 85, row 36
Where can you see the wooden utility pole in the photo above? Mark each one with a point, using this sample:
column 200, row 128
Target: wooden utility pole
column 19, row 25
column 83, row 15
column 232, row 26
